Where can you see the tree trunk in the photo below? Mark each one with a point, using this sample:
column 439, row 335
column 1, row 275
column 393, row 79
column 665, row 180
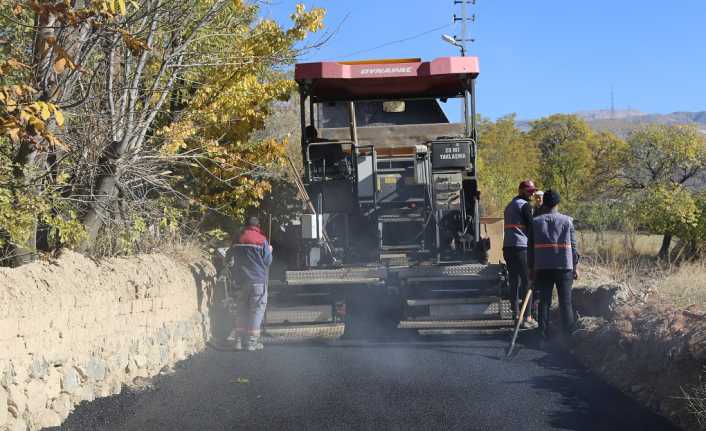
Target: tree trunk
column 27, row 155
column 664, row 249
column 93, row 219
column 24, row 253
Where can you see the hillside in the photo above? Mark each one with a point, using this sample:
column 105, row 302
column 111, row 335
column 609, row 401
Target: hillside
column 623, row 121
column 621, row 125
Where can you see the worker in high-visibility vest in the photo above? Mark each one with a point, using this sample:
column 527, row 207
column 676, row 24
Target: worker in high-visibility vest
column 518, row 222
column 553, row 261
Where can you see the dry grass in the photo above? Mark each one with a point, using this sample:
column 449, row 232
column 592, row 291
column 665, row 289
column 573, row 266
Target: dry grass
column 610, row 247
column 679, row 285
column 697, row 403
column 626, row 258
column 630, row 259
column 685, row 284
column 186, row 252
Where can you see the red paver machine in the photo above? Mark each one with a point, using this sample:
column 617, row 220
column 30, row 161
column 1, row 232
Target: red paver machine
column 393, row 229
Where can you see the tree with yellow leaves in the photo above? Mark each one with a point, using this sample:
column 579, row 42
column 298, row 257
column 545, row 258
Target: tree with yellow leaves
column 506, row 157
column 575, row 160
column 116, row 113
column 232, row 100
column 664, row 167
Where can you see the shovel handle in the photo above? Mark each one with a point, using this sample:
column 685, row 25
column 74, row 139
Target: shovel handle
column 519, row 321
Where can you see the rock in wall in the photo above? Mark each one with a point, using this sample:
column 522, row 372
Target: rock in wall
column 74, row 329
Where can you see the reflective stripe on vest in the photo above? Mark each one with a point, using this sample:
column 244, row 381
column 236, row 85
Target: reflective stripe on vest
column 551, row 233
column 552, row 246
column 515, row 226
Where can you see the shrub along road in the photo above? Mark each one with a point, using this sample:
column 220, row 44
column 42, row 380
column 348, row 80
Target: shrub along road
column 428, row 383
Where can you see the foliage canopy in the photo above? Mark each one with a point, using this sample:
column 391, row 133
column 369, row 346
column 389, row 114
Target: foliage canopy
column 122, row 119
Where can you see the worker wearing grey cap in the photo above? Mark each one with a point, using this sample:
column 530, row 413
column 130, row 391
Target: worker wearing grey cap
column 553, row 261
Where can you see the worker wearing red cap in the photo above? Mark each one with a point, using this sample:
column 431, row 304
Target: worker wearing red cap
column 518, row 222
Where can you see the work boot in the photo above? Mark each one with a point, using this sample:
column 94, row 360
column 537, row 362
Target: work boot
column 238, row 343
column 529, row 323
column 254, row 344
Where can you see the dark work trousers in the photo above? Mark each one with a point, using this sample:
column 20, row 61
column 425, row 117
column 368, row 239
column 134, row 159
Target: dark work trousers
column 544, row 281
column 516, row 260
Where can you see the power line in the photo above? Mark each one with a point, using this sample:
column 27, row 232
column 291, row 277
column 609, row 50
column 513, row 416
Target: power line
column 406, row 39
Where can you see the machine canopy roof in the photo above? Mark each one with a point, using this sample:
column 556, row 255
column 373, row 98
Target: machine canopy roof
column 386, row 79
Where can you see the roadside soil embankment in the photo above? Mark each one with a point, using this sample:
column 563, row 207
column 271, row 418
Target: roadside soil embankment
column 74, row 329
column 645, row 346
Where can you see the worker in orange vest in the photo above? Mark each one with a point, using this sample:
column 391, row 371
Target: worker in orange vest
column 518, row 223
column 553, row 261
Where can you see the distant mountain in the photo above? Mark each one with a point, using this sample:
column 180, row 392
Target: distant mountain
column 606, row 114
column 623, row 126
column 621, row 122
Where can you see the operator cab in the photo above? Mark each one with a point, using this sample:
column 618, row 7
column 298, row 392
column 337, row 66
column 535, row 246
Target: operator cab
column 391, row 180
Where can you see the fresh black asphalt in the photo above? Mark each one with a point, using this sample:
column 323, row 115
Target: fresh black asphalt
column 425, row 383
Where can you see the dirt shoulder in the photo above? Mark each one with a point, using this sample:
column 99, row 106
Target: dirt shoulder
column 649, row 349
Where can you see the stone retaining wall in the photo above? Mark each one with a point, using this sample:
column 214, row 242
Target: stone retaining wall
column 72, row 330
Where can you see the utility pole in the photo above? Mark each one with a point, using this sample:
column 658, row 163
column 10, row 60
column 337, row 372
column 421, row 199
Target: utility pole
column 460, row 42
column 464, row 19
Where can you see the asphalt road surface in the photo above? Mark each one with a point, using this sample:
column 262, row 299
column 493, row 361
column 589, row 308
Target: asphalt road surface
column 426, row 383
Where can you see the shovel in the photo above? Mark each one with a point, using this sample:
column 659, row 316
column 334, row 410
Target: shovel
column 519, row 322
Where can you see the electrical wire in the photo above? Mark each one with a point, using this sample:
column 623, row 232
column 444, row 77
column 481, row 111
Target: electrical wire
column 406, row 39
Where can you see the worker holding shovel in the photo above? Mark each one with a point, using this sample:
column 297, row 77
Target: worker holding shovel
column 517, row 226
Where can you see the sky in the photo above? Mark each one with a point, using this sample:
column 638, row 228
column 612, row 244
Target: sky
column 537, row 57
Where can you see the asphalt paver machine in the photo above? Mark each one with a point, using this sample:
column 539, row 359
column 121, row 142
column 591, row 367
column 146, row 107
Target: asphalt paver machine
column 392, row 233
